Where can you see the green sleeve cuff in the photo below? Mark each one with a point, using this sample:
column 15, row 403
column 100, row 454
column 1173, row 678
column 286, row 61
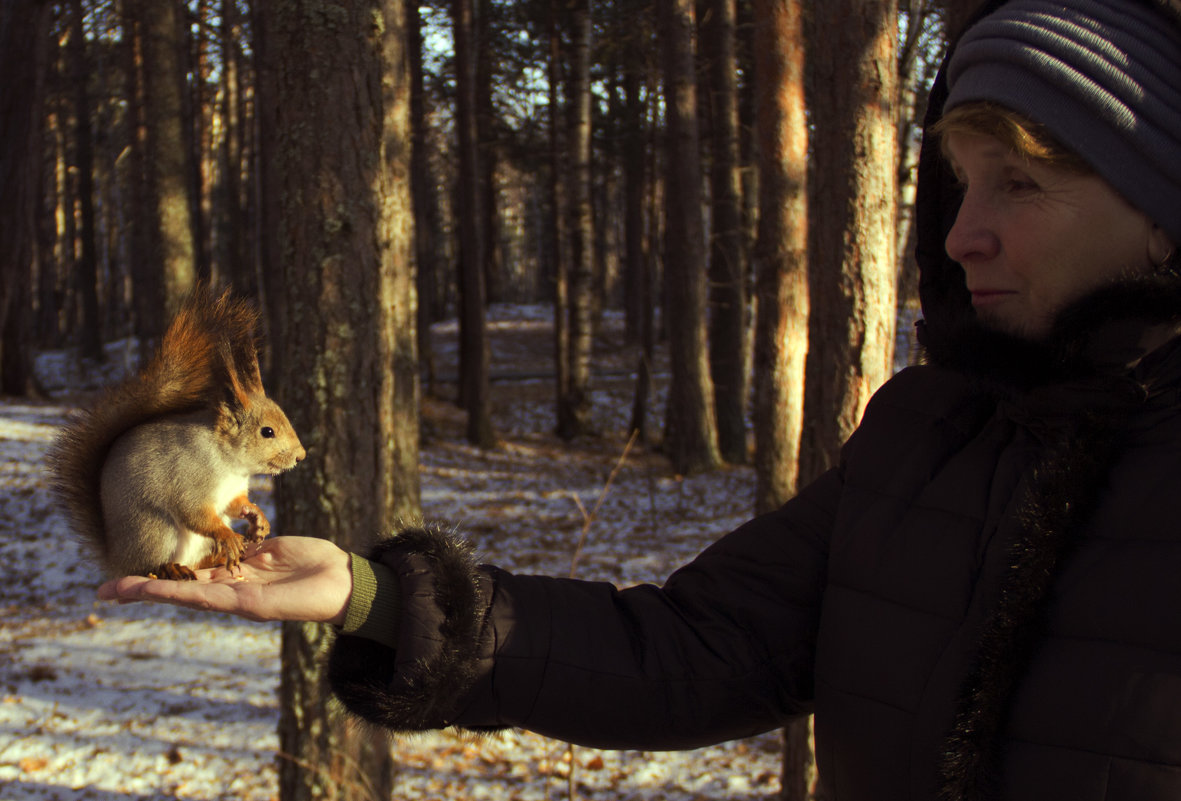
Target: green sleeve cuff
column 372, row 612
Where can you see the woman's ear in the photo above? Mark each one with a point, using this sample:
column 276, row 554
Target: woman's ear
column 1160, row 247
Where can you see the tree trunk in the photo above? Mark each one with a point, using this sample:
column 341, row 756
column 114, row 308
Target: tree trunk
column 852, row 198
column 144, row 272
column 781, row 250
column 559, row 268
column 171, row 228
column 200, row 136
column 637, row 264
column 918, row 61
column 574, row 405
column 426, row 202
column 690, row 438
column 488, row 149
column 781, row 333
column 24, row 46
column 727, row 269
column 90, row 334
column 473, row 341
column 233, row 208
column 336, row 139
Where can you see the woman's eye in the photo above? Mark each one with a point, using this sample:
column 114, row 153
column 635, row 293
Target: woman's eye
column 1021, row 185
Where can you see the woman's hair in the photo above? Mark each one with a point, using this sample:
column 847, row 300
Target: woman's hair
column 1023, row 136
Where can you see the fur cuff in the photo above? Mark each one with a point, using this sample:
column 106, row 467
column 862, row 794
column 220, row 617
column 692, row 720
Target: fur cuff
column 444, row 599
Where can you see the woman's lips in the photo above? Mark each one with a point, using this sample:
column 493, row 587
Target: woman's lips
column 985, row 297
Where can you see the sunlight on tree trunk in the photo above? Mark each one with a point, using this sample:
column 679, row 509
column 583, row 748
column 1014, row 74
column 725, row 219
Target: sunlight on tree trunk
column 852, row 200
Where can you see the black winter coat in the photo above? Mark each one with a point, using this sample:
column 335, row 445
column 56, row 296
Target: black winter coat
column 983, row 600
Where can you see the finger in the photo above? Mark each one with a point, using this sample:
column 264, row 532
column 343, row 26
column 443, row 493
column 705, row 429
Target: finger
column 122, row 588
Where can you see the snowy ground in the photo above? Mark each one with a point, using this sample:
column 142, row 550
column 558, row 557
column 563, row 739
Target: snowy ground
column 130, row 703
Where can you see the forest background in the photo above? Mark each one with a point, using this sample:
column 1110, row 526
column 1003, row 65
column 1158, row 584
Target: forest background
column 735, row 175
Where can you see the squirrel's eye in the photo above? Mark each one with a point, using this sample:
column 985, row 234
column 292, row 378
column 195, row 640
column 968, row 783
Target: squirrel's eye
column 267, row 432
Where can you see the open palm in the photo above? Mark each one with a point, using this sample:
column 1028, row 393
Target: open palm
column 282, row 578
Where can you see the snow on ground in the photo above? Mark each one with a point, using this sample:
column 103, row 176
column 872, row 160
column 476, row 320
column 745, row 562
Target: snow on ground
column 137, row 702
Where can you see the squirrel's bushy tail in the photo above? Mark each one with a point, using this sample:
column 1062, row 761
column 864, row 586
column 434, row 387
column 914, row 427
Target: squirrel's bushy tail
column 209, row 346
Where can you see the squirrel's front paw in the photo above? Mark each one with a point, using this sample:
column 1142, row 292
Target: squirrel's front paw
column 260, row 527
column 228, row 551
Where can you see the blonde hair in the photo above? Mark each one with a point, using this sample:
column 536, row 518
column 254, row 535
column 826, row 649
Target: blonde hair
column 1028, row 139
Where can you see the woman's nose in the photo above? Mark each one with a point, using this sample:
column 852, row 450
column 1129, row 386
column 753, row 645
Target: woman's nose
column 972, row 237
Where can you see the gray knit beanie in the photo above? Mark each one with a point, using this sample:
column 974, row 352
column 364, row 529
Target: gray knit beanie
column 1103, row 77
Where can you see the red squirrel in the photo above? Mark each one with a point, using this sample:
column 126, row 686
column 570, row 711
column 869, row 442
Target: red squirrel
column 153, row 473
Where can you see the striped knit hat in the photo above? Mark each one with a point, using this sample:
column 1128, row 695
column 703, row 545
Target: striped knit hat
column 1103, row 77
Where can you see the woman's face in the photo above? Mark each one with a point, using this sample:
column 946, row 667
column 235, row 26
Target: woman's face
column 1032, row 237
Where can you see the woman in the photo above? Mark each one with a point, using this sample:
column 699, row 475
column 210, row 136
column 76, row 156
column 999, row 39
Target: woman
column 981, row 599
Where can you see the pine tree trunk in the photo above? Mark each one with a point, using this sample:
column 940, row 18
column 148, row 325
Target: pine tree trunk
column 690, row 438
column 336, row 143
column 574, row 405
column 489, row 155
column 171, row 226
column 781, row 251
column 559, row 268
column 232, row 209
column 86, row 268
column 853, row 195
column 146, row 279
column 727, row 265
column 781, row 264
column 24, row 44
column 637, row 264
column 473, row 341
column 427, row 235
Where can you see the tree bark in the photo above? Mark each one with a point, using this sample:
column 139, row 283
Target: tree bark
column 233, row 208
column 574, row 404
column 690, row 438
column 90, row 333
column 852, row 197
column 427, row 237
column 24, row 46
column 473, row 346
column 637, row 263
column 558, row 256
column 170, row 231
column 781, row 250
column 781, row 265
column 727, row 264
column 488, row 148
column 336, row 139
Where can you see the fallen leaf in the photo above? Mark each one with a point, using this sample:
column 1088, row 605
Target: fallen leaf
column 33, row 764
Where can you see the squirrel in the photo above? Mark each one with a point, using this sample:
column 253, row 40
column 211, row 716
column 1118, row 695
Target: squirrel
column 153, row 472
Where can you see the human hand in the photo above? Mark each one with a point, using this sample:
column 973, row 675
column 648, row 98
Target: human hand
column 282, row 578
